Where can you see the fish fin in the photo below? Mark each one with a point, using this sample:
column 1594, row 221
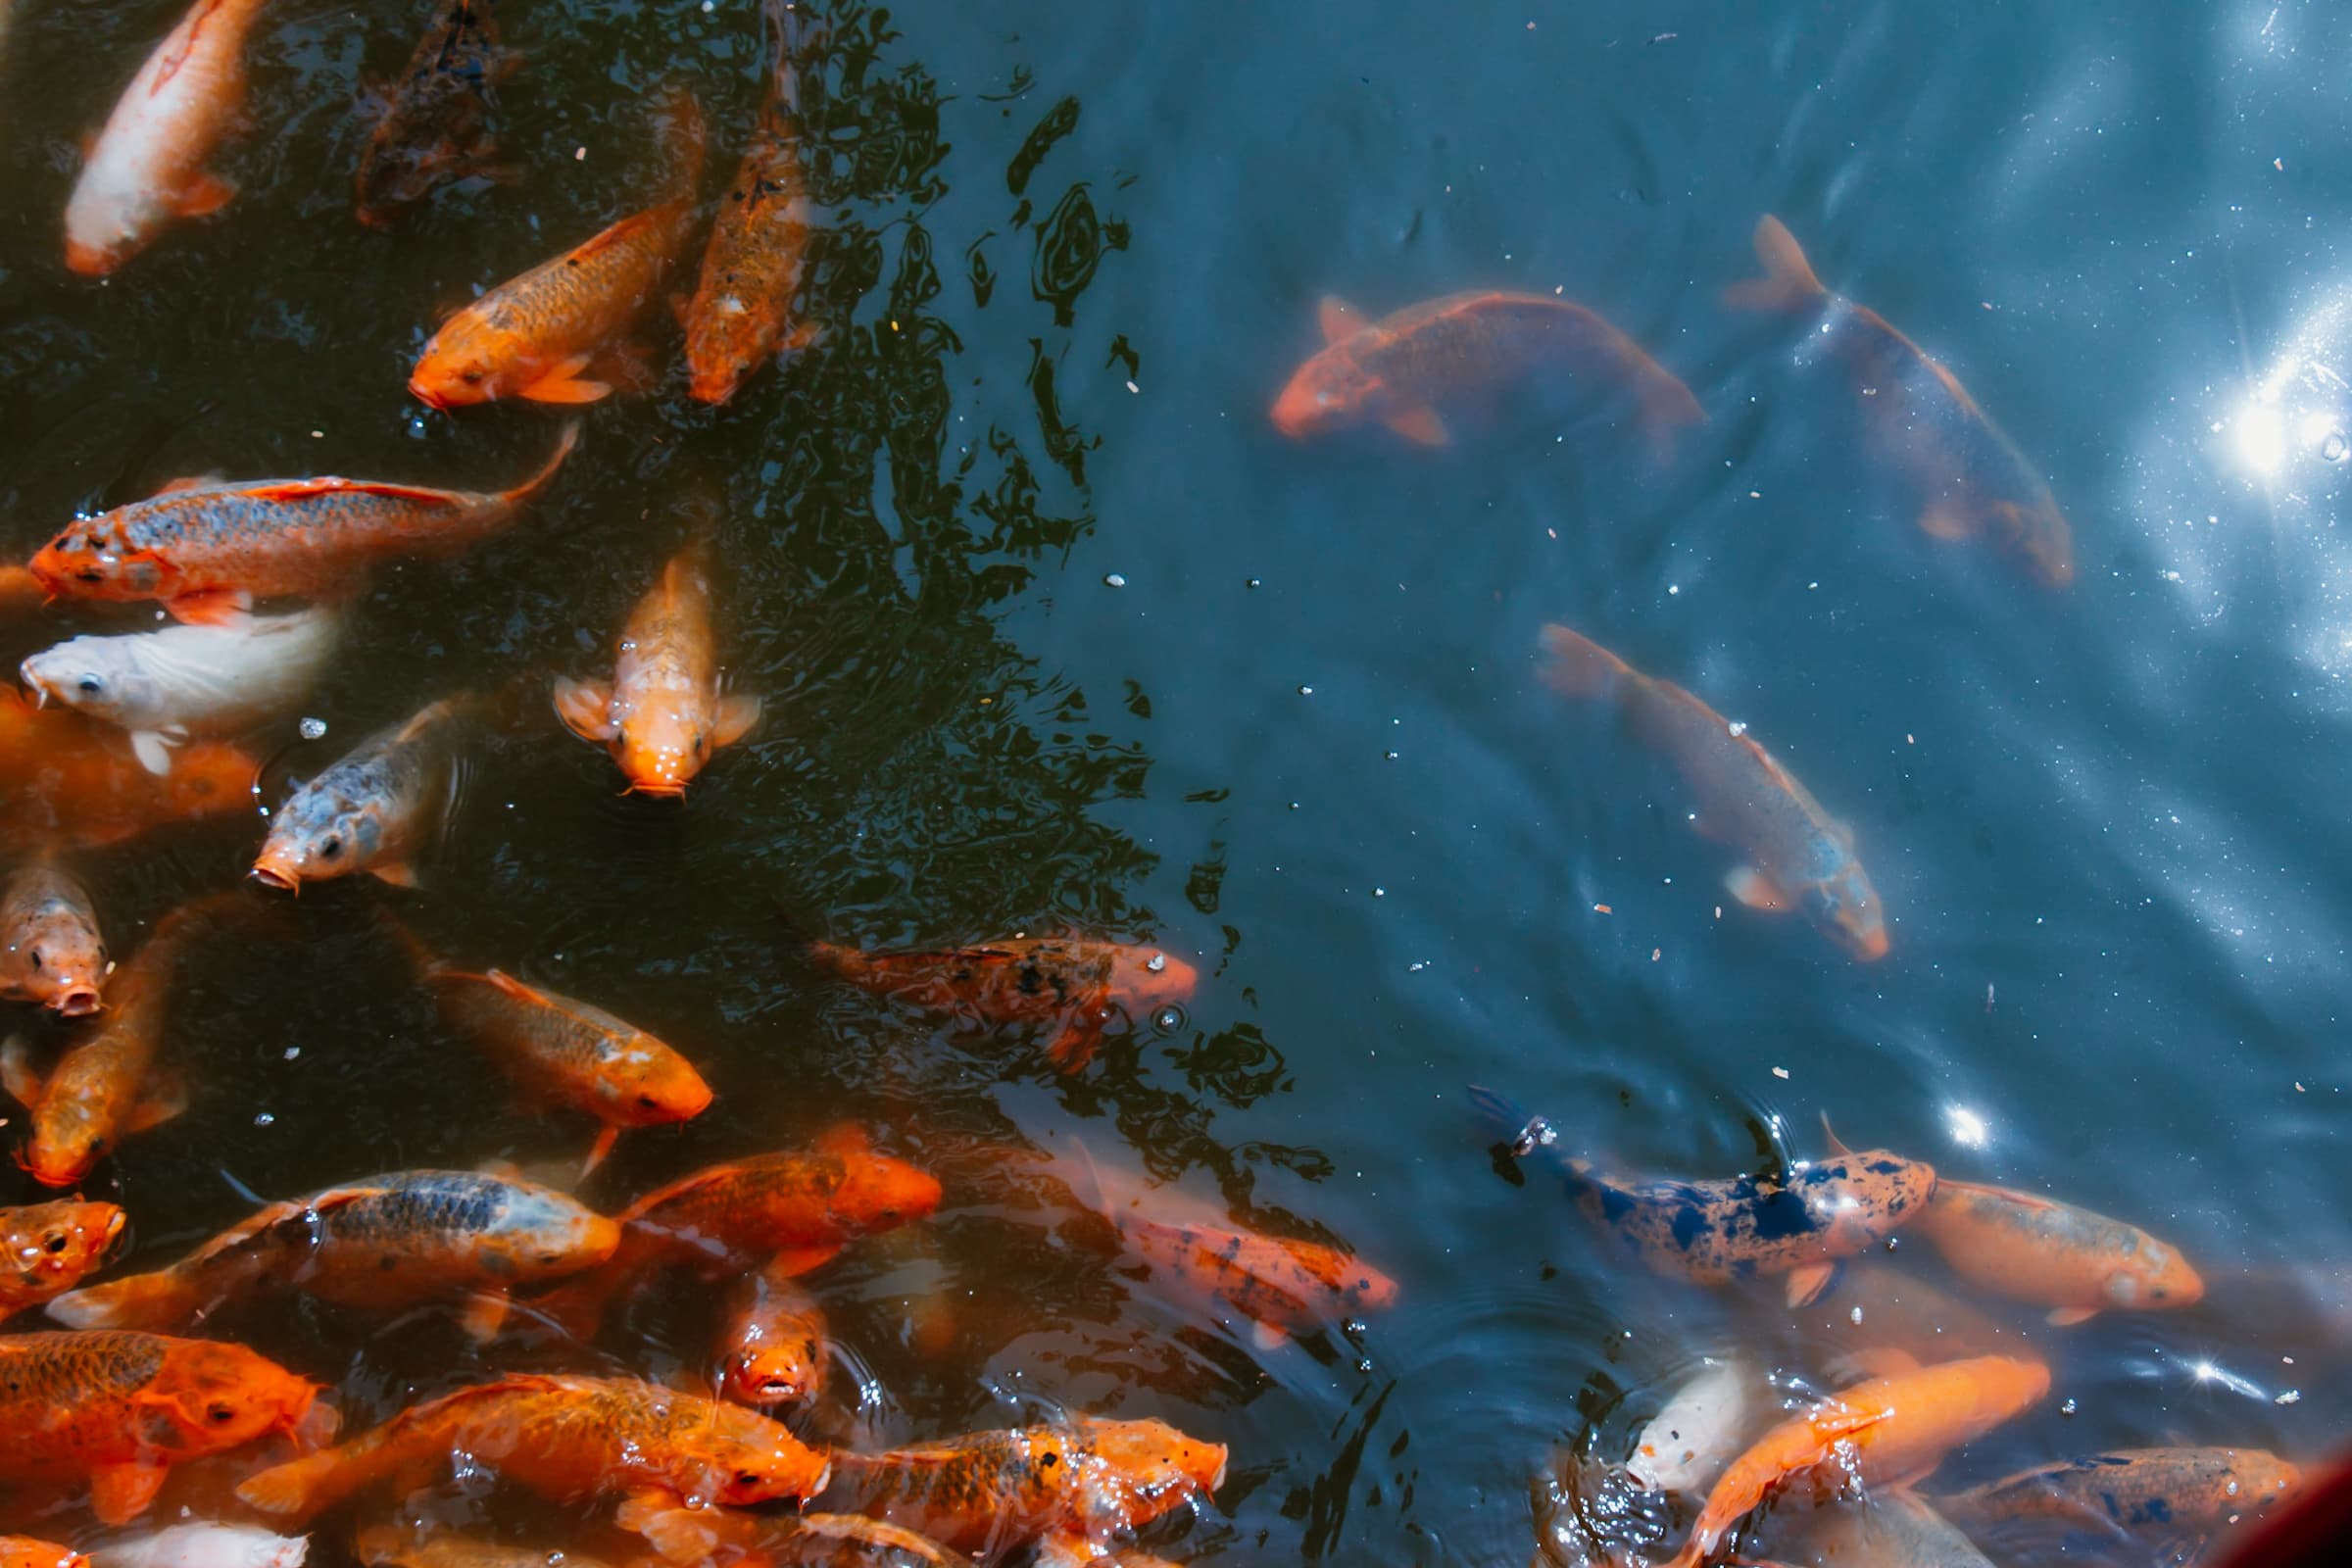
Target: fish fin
column 316, row 1428
column 560, row 383
column 2065, row 1317
column 1787, row 281
column 605, row 1140
column 204, row 194
column 1579, row 667
column 877, row 1534
column 209, row 607
column 120, row 1493
column 1419, row 425
column 1809, row 1281
column 153, row 751
column 564, row 444
column 188, row 481
column 736, row 716
column 1099, row 1200
column 293, row 1490
column 1837, row 1144
column 626, row 368
column 153, row 1303
column 161, row 1103
column 507, row 983
column 484, row 1316
column 1073, row 1045
column 399, row 874
column 804, row 335
column 795, row 1261
column 586, row 708
column 17, row 1076
column 1338, row 318
column 1943, row 519
column 1268, row 1336
column 1751, row 888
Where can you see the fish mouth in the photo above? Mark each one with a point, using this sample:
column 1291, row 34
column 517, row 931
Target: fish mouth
column 89, row 261
column 269, row 876
column 78, row 1002
column 426, row 395
column 661, row 789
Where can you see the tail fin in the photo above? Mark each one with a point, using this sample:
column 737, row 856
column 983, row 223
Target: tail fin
column 1787, row 284
column 539, row 482
column 790, row 35
column 1580, row 666
column 156, row 1303
column 678, row 121
column 1089, row 1188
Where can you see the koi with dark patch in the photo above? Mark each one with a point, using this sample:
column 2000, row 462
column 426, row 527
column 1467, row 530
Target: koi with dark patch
column 46, row 1249
column 2145, row 1492
column 436, row 124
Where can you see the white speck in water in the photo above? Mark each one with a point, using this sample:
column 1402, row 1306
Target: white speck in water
column 1416, row 967
column 1306, row 690
column 1392, row 755
column 1968, row 1128
column 1251, row 583
column 2068, row 1408
column 264, row 1119
column 1779, row 1072
column 317, row 435
column 2289, row 1397
column 293, row 1052
column 1132, row 387
column 1738, row 726
column 1674, row 588
column 579, row 155
column 1156, row 962
column 313, row 728
column 1380, row 893
column 1114, row 579
column 1855, row 1317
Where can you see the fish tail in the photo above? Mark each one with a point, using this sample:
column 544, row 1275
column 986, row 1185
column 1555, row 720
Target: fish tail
column 790, row 35
column 539, row 482
column 679, row 122
column 1787, row 282
column 149, row 1303
column 1580, row 666
column 312, row 1484
column 577, row 1306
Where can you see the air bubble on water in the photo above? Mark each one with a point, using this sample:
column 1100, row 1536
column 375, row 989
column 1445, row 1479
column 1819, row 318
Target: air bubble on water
column 1353, row 1324
column 1157, row 963
column 2068, row 1408
column 1306, row 690
column 1252, row 583
column 1114, row 579
column 265, row 1119
column 1168, row 1019
column 1364, row 1365
column 1380, row 893
column 2333, row 448
column 313, row 728
column 293, row 1052
column 1416, row 967
column 1393, row 756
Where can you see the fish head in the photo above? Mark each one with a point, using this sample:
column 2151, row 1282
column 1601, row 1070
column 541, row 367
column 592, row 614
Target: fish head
column 2151, row 1277
column 661, row 746
column 1858, row 1199
column 541, row 1234
column 1153, row 977
column 1845, row 907
column 1329, row 391
column 745, row 1458
column 92, row 675
column 725, row 343
column 2007, row 1384
column 209, row 1396
column 319, row 833
column 2263, row 1477
column 1155, row 1467
column 107, row 223
column 69, row 1131
column 780, row 1370
column 643, row 1083
column 87, row 561
column 470, row 359
column 49, row 1247
column 877, row 1192
column 56, row 957
column 209, row 777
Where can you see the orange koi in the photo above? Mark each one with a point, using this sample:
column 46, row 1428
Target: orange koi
column 1397, row 370
column 23, row 1551
column 118, row 1410
column 1067, row 981
column 1279, row 1285
column 741, row 313
column 46, row 1249
column 383, row 1245
column 986, row 1491
column 209, row 549
column 2160, row 1492
column 50, row 949
column 661, row 713
column 67, row 781
column 715, row 1538
column 435, row 128
column 20, row 592
column 1800, row 856
column 396, row 1546
column 572, row 1054
column 146, row 168
column 569, row 1438
column 1971, row 479
column 772, row 1344
column 1888, row 1432
column 538, row 335
column 2068, row 1259
column 369, row 812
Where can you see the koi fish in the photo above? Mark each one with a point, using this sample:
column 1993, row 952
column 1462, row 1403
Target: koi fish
column 1398, row 369
column 1895, row 1309
column 788, row 1212
column 741, row 313
column 164, row 686
column 382, row 1243
column 1888, row 1432
column 436, row 124
column 50, row 949
column 20, row 591
column 23, row 1551
column 1065, row 980
column 772, row 1344
column 395, row 1547
column 1972, row 480
column 147, row 167
column 105, row 1088
column 539, row 336
column 569, row 1438
column 1800, row 856
column 2134, row 1491
column 371, row 812
column 569, row 1053
column 47, row 1248
column 1699, row 1431
column 661, row 713
column 118, row 1410
column 1892, row 1529
column 988, row 1490
column 205, row 1545
column 2068, row 1259
column 1280, row 1286
column 719, row 1539
column 1716, row 1232
column 68, row 782
column 207, row 549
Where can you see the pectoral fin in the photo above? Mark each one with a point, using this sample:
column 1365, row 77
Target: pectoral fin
column 163, row 1102
column 1946, row 520
column 212, row 607
column 2065, row 1317
column 120, row 1493
column 800, row 1260
column 562, row 383
column 596, row 1151
column 586, row 708
column 736, row 716
column 1749, row 886
column 400, row 874
column 1338, row 318
column 1420, row 426
column 1808, row 1282
column 484, row 1316
column 17, row 1076
column 1268, row 1336
column 202, row 195
column 152, row 750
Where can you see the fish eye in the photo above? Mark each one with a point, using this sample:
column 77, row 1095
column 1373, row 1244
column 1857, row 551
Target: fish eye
column 92, row 574
column 330, row 847
column 91, row 684
column 701, row 742
column 649, row 1103
column 749, row 1478
column 36, row 960
column 472, row 377
column 54, row 1243
column 219, row 1412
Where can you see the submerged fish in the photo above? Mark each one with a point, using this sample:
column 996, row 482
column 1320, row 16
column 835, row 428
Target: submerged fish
column 437, row 125
column 720, row 1538
column 20, row 592
column 164, row 686
column 1081, row 1479
column 1067, row 981
column 68, row 782
column 118, row 1410
column 1887, row 1530
column 1799, row 856
column 772, row 1344
column 209, row 549
column 2068, row 1259
column 46, row 1249
column 1280, row 1286
column 1888, row 1432
column 1716, row 1232
column 50, row 949
column 1699, row 1430
column 382, row 1243
column 371, row 812
column 740, row 314
column 540, row 335
column 569, row 1438
column 568, row 1054
column 205, row 1545
column 1399, row 369
column 661, row 713
column 24, row 1552
column 2152, row 1493
column 396, row 1546
column 1971, row 479
column 147, row 167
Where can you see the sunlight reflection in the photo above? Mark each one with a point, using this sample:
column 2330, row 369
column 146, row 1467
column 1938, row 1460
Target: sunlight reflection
column 1968, row 1129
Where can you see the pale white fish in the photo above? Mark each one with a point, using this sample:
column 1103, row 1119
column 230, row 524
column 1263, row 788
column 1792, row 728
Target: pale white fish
column 166, row 685
column 204, row 1545
column 1703, row 1427
column 147, row 167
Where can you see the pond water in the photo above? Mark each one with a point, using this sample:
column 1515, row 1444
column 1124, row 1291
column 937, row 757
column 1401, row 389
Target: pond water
column 1054, row 630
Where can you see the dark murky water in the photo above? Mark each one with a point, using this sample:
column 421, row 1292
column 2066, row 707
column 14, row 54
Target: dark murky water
column 1054, row 629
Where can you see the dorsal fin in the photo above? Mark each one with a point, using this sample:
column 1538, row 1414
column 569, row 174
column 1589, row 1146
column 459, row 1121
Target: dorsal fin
column 332, row 485
column 1338, row 318
column 1837, row 1144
